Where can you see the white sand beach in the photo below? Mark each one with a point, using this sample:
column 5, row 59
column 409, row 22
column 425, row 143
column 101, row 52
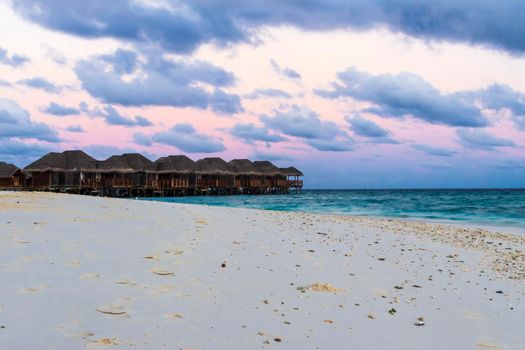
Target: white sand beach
column 80, row 272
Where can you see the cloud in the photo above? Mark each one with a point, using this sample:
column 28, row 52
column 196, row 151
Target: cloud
column 60, row 110
column 15, row 122
column 302, row 122
column 12, row 60
column 249, row 133
column 21, row 153
column 500, row 96
column 157, row 81
column 331, row 145
column 183, row 25
column 480, row 139
column 224, row 103
column 270, row 92
column 102, row 152
column 4, row 83
column 113, row 117
column 270, row 156
column 285, row 71
column 142, row 139
column 122, row 61
column 75, row 128
column 367, row 128
column 510, row 164
column 41, row 83
column 434, row 151
column 405, row 94
column 364, row 127
column 184, row 137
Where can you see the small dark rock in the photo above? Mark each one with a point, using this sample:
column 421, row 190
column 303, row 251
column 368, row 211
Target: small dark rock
column 499, row 292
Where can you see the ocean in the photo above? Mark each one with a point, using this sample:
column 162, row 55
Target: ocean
column 484, row 207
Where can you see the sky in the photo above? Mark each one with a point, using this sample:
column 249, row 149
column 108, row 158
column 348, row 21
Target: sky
column 356, row 94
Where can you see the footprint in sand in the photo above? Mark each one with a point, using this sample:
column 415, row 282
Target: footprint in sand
column 163, row 289
column 472, row 315
column 89, row 276
column 33, row 289
column 73, row 263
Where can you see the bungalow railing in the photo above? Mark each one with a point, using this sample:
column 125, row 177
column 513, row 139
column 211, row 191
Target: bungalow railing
column 296, row 183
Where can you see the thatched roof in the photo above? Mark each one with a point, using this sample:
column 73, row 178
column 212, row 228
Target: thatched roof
column 128, row 162
column 291, row 171
column 244, row 167
column 7, row 169
column 175, row 164
column 266, row 167
column 213, row 166
column 65, row 161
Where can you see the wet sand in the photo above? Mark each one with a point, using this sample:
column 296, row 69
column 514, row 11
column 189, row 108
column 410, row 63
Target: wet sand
column 97, row 273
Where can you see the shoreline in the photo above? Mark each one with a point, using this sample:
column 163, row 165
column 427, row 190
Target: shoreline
column 457, row 223
column 103, row 273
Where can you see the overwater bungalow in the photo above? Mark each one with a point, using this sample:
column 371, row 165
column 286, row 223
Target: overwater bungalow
column 69, row 171
column 293, row 175
column 129, row 174
column 132, row 174
column 175, row 175
column 11, row 177
column 214, row 176
column 274, row 180
column 248, row 179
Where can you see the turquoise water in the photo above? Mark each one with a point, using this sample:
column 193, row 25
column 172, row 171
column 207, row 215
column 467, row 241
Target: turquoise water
column 504, row 208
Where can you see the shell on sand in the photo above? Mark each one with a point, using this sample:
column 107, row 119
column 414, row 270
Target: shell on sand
column 487, row 345
column 125, row 282
column 162, row 272
column 174, row 316
column 112, row 309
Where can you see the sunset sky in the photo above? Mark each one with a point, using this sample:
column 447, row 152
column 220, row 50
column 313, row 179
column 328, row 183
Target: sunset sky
column 356, row 94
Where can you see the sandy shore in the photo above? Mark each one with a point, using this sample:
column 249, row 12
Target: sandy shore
column 83, row 272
